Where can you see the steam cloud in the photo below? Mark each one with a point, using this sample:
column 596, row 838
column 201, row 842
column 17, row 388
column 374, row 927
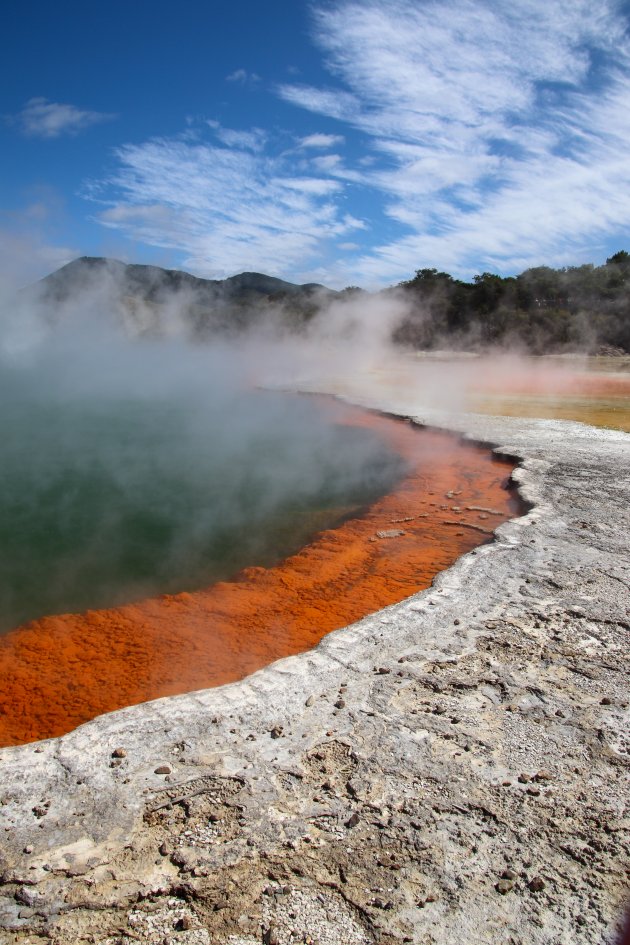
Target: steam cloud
column 138, row 459
column 145, row 449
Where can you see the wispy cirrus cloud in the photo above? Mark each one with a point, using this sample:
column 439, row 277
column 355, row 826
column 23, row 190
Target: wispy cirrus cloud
column 321, row 141
column 479, row 134
column 242, row 77
column 249, row 140
column 43, row 119
column 497, row 131
column 225, row 209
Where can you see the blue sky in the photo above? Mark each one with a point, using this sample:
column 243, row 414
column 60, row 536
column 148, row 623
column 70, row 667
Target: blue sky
column 344, row 142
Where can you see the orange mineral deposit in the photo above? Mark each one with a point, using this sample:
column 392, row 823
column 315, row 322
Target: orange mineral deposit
column 60, row 671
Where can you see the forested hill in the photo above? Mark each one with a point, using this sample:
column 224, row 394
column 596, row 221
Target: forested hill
column 542, row 310
column 145, row 298
column 583, row 308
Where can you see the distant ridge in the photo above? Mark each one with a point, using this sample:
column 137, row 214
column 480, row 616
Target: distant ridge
column 145, row 297
column 80, row 272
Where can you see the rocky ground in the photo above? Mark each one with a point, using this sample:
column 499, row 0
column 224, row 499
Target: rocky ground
column 452, row 769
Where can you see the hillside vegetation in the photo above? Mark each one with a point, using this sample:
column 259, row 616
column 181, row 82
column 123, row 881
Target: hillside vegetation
column 577, row 308
column 583, row 308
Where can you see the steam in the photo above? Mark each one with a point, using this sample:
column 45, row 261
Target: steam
column 141, row 459
column 147, row 446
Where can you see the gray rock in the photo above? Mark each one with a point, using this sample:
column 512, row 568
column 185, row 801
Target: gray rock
column 427, row 793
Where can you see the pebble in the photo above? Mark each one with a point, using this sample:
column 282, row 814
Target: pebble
column 276, row 731
column 119, row 753
column 270, row 936
column 537, row 884
column 163, row 769
column 504, row 886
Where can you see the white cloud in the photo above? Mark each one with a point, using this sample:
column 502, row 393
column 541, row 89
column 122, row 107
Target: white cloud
column 481, row 134
column 321, row 141
column 226, row 209
column 331, row 102
column 242, row 77
column 251, row 140
column 43, row 119
column 497, row 131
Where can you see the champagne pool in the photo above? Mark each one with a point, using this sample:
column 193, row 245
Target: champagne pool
column 158, row 545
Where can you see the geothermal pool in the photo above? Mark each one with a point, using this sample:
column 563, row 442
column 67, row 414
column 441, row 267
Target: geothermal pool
column 158, row 539
column 355, row 512
column 110, row 501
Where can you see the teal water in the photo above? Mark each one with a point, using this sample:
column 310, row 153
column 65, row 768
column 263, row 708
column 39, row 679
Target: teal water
column 108, row 499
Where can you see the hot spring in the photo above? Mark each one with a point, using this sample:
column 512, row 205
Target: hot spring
column 167, row 526
column 111, row 499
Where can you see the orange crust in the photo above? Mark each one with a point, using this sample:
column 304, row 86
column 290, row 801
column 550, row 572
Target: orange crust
column 60, row 671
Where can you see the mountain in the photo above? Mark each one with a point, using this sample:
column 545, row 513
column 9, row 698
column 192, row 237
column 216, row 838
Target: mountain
column 148, row 297
column 151, row 281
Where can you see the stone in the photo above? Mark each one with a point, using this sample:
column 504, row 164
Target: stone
column 504, row 886
column 457, row 820
column 270, row 936
column 162, row 769
column 536, row 884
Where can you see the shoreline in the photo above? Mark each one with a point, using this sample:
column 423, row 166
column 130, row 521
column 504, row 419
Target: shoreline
column 447, row 769
column 61, row 671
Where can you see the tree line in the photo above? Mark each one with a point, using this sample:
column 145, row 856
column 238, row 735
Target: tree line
column 583, row 308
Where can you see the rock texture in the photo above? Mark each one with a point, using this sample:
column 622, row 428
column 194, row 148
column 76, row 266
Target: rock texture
column 448, row 770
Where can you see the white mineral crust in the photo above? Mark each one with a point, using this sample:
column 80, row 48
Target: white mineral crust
column 469, row 786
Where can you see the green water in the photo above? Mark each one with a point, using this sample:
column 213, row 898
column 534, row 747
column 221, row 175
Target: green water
column 105, row 500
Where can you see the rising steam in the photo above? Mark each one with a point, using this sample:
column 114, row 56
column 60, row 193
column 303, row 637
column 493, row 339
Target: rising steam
column 141, row 458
